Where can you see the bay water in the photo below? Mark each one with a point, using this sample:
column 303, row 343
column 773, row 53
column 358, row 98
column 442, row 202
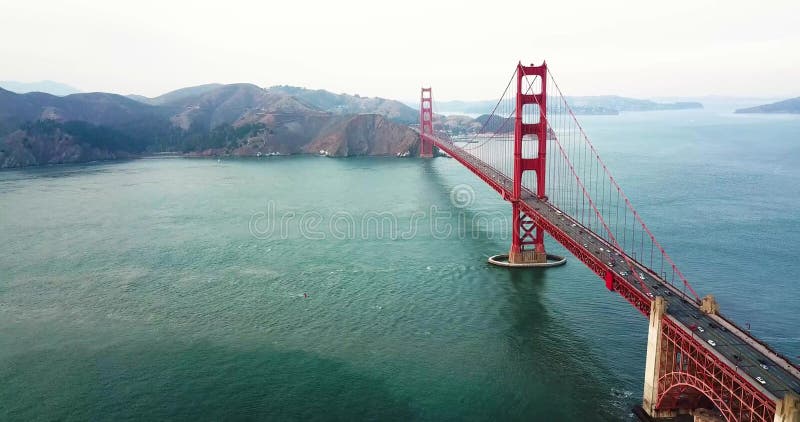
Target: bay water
column 310, row 288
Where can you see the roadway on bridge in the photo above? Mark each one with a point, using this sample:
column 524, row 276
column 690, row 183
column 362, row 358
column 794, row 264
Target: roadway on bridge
column 779, row 377
column 743, row 357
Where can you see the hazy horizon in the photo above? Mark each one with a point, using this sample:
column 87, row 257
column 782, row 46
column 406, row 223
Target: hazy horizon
column 28, row 84
column 641, row 50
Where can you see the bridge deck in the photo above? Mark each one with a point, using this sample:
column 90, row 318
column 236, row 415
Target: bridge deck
column 740, row 350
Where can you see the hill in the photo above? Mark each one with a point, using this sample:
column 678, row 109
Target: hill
column 495, row 124
column 209, row 107
column 791, row 105
column 236, row 119
column 100, row 109
column 350, row 104
column 177, row 95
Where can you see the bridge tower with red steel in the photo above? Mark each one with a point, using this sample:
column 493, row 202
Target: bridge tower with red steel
column 426, row 123
column 527, row 242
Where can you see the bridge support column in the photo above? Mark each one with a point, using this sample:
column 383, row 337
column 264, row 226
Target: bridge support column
column 527, row 243
column 652, row 366
column 709, row 305
column 426, row 123
column 788, row 409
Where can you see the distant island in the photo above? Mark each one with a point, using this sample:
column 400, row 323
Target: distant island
column 791, row 105
column 457, row 125
column 582, row 105
column 590, row 105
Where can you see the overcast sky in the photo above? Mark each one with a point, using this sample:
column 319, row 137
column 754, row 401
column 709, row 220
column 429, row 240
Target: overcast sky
column 464, row 49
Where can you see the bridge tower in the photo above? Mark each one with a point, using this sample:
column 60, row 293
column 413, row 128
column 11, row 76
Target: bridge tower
column 527, row 242
column 426, row 123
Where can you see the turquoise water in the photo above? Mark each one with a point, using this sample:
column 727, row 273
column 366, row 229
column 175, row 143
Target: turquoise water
column 174, row 288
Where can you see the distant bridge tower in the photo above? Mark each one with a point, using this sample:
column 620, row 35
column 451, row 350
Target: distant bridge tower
column 426, row 123
column 527, row 242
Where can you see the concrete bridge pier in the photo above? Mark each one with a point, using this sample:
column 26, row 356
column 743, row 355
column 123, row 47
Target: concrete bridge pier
column 527, row 245
column 788, row 409
column 652, row 364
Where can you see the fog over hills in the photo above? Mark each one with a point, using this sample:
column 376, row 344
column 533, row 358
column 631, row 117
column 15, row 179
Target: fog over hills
column 48, row 87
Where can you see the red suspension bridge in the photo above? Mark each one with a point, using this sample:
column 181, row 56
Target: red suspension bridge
column 535, row 154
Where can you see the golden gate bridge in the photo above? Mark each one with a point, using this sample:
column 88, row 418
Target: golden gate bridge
column 533, row 151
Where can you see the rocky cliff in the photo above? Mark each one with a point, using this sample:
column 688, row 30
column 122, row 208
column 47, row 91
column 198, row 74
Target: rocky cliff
column 365, row 134
column 335, row 136
column 36, row 146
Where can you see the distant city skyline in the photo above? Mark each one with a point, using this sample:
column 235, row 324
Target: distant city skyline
column 635, row 49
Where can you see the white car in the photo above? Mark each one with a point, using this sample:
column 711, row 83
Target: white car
column 641, row 276
column 761, row 380
column 574, row 225
column 712, row 342
column 623, row 273
column 701, row 330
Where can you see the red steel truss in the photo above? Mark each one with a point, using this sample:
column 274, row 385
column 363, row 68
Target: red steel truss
column 689, row 372
column 426, row 122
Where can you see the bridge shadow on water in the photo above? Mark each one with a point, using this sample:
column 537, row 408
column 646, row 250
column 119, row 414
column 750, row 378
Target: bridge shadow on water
column 551, row 372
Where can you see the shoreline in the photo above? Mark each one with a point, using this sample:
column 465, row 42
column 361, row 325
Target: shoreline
column 167, row 156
